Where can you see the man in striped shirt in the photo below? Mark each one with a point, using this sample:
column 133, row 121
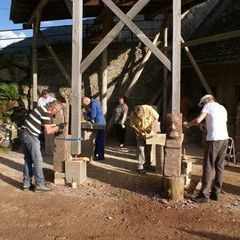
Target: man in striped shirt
column 39, row 117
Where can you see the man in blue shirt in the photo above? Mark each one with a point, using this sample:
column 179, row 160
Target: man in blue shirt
column 95, row 115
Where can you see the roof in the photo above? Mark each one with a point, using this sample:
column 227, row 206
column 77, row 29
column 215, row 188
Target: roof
column 225, row 18
column 21, row 10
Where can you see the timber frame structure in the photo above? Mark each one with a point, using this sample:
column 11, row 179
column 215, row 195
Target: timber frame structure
column 31, row 13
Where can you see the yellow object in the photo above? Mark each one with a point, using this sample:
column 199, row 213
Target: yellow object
column 145, row 123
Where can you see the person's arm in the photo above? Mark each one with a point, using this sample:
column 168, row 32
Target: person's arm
column 50, row 128
column 124, row 118
column 93, row 112
column 155, row 118
column 197, row 120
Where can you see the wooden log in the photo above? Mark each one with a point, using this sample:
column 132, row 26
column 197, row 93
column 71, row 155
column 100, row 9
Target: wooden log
column 173, row 187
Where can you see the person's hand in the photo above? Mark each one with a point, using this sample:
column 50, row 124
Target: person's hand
column 122, row 126
column 61, row 126
column 58, row 133
column 185, row 124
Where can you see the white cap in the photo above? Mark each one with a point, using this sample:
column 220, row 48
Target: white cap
column 200, row 104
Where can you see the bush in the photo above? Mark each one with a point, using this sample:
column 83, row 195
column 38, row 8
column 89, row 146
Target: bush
column 8, row 92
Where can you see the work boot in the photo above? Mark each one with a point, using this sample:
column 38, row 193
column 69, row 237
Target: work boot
column 201, row 199
column 42, row 188
column 214, row 196
column 141, row 171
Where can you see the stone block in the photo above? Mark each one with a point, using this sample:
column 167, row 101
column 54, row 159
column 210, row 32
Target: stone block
column 187, row 172
column 76, row 171
column 59, row 178
column 172, row 162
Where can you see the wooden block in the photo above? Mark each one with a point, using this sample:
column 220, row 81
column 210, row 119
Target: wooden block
column 158, row 139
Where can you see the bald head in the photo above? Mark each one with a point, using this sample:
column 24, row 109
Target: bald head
column 86, row 101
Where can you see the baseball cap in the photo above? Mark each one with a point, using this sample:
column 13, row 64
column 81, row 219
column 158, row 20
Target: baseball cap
column 201, row 102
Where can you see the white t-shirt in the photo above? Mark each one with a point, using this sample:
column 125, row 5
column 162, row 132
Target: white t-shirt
column 44, row 101
column 216, row 121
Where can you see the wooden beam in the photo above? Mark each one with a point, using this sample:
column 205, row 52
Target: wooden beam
column 176, row 57
column 56, row 59
column 141, row 67
column 104, row 82
column 111, row 35
column 135, row 29
column 36, row 30
column 213, row 38
column 165, row 73
column 197, row 69
column 76, row 76
column 39, row 8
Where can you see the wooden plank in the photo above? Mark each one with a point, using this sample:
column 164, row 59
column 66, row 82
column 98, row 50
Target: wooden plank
column 104, row 82
column 176, row 57
column 111, row 35
column 34, row 58
column 135, row 29
column 141, row 66
column 76, row 75
column 197, row 69
column 55, row 58
column 158, row 139
column 213, row 38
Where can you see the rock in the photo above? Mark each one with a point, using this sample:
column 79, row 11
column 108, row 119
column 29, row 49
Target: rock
column 5, row 74
column 21, row 60
column 19, row 74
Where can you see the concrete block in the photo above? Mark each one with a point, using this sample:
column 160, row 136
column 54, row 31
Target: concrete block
column 76, row 171
column 187, row 172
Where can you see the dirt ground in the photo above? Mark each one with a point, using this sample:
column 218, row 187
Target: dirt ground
column 115, row 203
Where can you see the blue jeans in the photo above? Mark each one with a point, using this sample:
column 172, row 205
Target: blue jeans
column 32, row 159
column 100, row 144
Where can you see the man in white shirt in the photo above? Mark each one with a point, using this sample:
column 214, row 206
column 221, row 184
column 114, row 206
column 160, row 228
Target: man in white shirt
column 217, row 142
column 45, row 98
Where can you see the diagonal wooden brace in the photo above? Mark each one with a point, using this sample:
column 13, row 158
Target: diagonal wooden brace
column 111, row 35
column 135, row 29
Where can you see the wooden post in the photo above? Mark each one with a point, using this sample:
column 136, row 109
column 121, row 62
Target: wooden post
column 165, row 73
column 176, row 56
column 104, row 82
column 34, row 58
column 76, row 76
